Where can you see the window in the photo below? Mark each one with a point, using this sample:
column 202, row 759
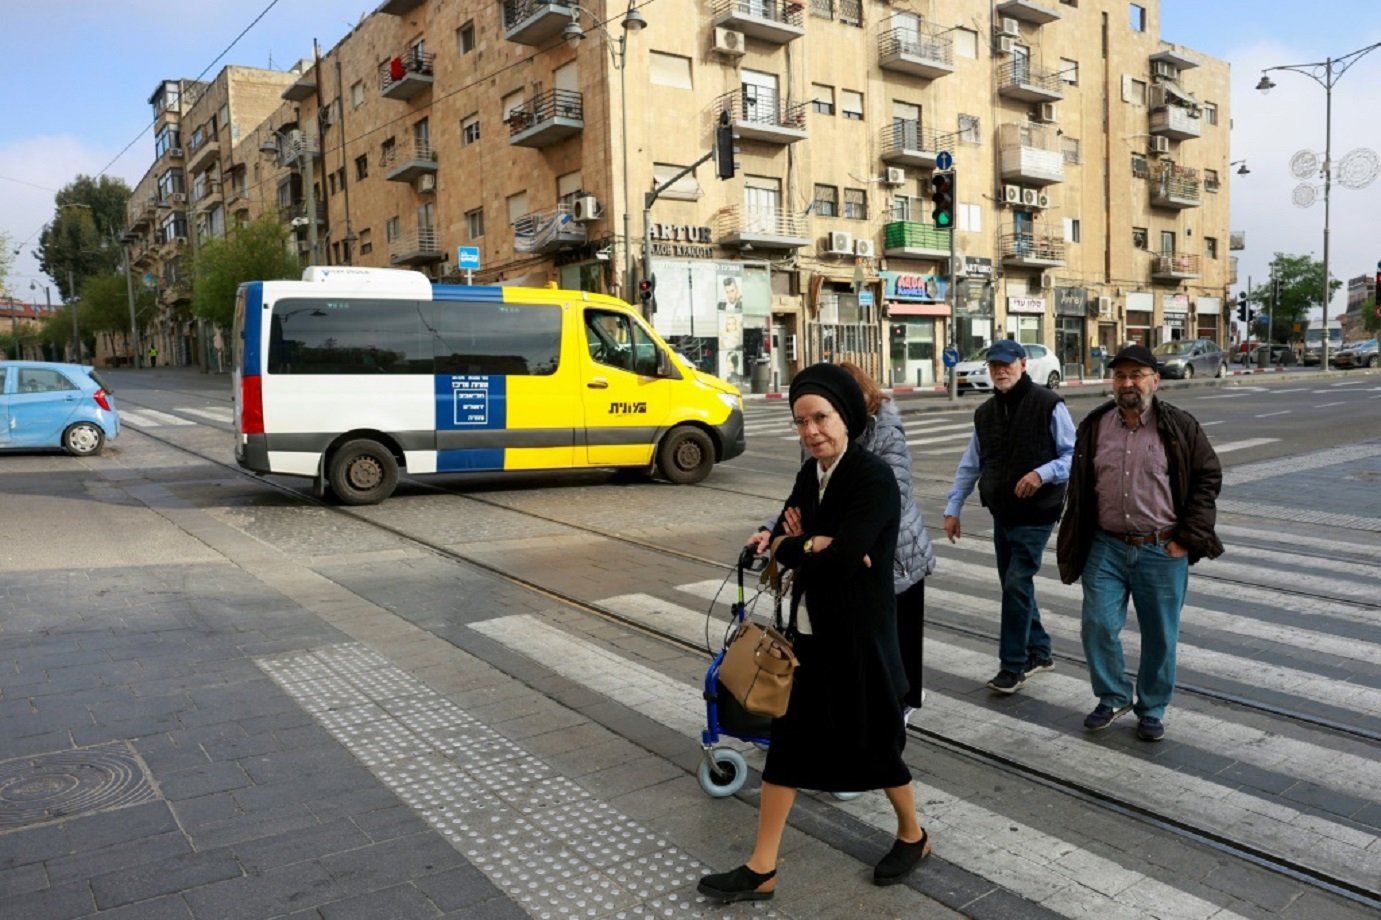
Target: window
column 822, row 9
column 965, row 43
column 465, row 38
column 1210, row 112
column 851, row 12
column 1139, row 237
column 1167, row 242
column 971, row 218
column 1069, row 149
column 335, row 252
column 474, row 223
column 1211, row 247
column 969, row 127
column 670, row 70
column 387, row 150
column 1138, row 17
column 366, row 242
column 393, row 229
column 856, row 204
column 510, row 103
column 1140, row 168
column 822, row 99
column 357, row 94
column 1072, row 230
column 1069, row 71
column 616, row 340
column 361, row 166
column 1133, row 90
column 331, row 184
column 687, row 188
column 470, row 130
column 517, row 207
column 851, row 104
column 826, row 201
column 1211, row 181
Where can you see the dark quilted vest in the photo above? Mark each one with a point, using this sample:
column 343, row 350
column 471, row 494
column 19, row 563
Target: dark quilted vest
column 1013, row 439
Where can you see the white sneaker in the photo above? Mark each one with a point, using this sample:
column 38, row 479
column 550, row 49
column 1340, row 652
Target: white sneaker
column 906, row 714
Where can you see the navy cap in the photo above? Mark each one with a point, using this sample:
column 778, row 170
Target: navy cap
column 1005, row 351
column 1134, row 354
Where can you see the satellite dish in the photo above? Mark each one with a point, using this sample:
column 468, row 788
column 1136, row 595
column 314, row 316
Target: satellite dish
column 1304, row 164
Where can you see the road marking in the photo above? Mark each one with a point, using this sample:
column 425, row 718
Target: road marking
column 225, row 416
column 1223, row 396
column 1282, row 466
column 1330, row 405
column 1271, row 414
column 921, row 442
column 151, row 418
column 1242, row 445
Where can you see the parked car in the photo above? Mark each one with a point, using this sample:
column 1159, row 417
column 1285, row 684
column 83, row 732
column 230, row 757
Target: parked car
column 1357, row 354
column 46, row 404
column 1041, row 365
column 1187, row 358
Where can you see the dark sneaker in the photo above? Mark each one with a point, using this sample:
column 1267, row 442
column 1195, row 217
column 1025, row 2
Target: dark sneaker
column 1102, row 716
column 1035, row 663
column 1149, row 729
column 1007, row 682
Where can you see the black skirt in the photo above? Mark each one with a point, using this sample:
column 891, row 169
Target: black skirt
column 842, row 731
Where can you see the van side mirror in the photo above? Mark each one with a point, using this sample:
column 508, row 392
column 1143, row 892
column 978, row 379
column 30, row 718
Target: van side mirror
column 664, row 368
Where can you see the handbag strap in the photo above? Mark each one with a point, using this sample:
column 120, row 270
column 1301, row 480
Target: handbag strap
column 779, row 583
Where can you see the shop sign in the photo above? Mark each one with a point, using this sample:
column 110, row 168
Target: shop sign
column 907, row 286
column 1071, row 301
column 1025, row 304
column 975, row 267
column 1175, row 303
column 683, row 240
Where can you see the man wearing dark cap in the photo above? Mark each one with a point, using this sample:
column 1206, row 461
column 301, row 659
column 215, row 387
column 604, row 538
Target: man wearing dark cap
column 1019, row 458
column 1142, row 506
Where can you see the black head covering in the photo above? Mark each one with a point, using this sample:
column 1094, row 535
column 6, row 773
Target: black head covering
column 839, row 387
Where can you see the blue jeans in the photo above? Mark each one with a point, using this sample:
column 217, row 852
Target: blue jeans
column 1019, row 550
column 1156, row 582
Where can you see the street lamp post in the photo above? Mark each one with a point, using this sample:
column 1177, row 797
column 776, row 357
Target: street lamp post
column 1326, row 74
column 632, row 21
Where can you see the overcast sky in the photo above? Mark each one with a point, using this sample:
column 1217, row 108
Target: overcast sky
column 82, row 72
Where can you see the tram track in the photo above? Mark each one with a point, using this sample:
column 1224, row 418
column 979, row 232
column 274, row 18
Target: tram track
column 993, row 759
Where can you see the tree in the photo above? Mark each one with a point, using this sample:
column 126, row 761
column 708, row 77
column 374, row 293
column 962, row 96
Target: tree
column 82, row 237
column 1301, row 281
column 255, row 251
column 6, row 261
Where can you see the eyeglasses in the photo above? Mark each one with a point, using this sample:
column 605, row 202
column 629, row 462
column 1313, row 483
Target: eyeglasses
column 818, row 420
column 1132, row 378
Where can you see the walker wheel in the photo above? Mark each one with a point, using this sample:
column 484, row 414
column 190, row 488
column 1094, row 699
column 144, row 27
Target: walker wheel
column 724, row 773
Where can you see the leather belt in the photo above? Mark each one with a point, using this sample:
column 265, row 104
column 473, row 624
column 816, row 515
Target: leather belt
column 1141, row 539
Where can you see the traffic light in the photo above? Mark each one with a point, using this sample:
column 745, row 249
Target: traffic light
column 1275, row 292
column 1243, row 311
column 647, row 290
column 942, row 195
column 724, row 147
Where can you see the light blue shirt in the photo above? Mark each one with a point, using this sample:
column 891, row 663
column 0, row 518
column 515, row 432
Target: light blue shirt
column 1057, row 470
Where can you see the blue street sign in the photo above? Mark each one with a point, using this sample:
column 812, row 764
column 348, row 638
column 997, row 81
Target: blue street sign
column 950, row 356
column 944, row 161
column 865, row 298
column 468, row 256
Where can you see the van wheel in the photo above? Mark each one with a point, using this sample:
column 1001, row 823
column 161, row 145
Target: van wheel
column 685, row 456
column 362, row 473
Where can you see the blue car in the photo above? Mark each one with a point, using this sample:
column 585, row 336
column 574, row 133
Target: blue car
column 46, row 404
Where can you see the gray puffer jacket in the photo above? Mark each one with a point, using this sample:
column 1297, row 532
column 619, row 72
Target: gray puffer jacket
column 885, row 437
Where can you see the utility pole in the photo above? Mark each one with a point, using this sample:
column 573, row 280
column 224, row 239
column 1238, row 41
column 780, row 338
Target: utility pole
column 133, row 316
column 14, row 327
column 72, row 305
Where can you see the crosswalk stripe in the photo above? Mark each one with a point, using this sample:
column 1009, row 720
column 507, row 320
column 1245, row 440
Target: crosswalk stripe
column 1296, row 541
column 1242, row 445
column 225, row 416
column 1083, row 882
column 152, row 418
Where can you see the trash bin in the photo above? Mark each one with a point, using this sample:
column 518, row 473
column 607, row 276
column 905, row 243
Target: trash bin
column 762, row 375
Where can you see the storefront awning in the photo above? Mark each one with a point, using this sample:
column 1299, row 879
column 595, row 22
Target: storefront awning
column 898, row 308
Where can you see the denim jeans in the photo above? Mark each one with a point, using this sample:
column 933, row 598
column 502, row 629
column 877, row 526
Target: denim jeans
column 1156, row 582
column 1019, row 551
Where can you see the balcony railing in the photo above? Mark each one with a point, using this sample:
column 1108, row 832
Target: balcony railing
column 1030, row 154
column 1032, row 248
column 407, row 75
column 761, row 115
column 1175, row 186
column 201, row 154
column 405, row 162
column 1232, row 270
column 548, row 231
column 775, row 21
column 922, row 53
column 417, row 248
column 1175, row 266
column 907, row 143
column 1018, row 79
column 914, row 239
column 535, row 22
column 297, row 211
column 546, row 119
column 763, row 227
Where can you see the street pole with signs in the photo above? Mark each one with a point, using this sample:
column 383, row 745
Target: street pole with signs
column 944, row 182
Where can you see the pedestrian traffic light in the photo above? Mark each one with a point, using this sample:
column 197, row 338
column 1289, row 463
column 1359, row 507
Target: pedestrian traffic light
column 1243, row 311
column 724, row 165
column 942, row 195
column 647, row 290
column 1276, row 287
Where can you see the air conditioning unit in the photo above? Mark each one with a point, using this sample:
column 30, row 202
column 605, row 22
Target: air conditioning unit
column 1047, row 280
column 1042, row 199
column 864, row 248
column 586, row 208
column 175, row 152
column 1029, row 196
column 1105, row 306
column 958, row 267
column 1009, row 26
column 1006, row 45
column 1160, row 144
column 895, row 176
column 728, row 41
column 1165, row 70
column 1011, row 194
column 841, row 243
column 426, row 182
column 178, row 197
column 1044, row 112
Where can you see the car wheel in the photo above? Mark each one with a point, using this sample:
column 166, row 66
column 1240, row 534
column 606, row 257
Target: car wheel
column 362, row 472
column 1371, row 362
column 1222, row 371
column 686, row 455
column 1053, row 380
column 1189, row 372
column 83, row 439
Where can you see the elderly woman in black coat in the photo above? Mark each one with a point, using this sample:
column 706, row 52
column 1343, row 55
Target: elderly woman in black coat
column 843, row 729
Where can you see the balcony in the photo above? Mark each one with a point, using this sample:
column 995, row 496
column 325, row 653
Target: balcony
column 300, row 90
column 918, row 53
column 1176, row 121
column 421, row 247
column 399, row 7
column 209, row 198
column 912, row 239
column 405, row 76
column 295, row 214
column 762, row 228
column 536, row 22
column 141, row 212
column 1175, row 266
column 1018, row 79
column 775, row 21
column 1027, row 11
column 1031, row 249
column 1029, row 154
column 760, row 115
column 906, row 143
column 546, row 119
column 1176, row 187
column 199, row 156
column 404, row 163
column 548, row 231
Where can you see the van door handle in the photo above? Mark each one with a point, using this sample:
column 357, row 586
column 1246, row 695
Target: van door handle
column 598, row 383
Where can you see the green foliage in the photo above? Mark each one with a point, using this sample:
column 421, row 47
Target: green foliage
column 1370, row 321
column 256, row 251
column 104, row 304
column 6, row 261
column 82, row 239
column 1301, row 290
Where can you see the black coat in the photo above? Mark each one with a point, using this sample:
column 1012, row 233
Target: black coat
column 843, row 729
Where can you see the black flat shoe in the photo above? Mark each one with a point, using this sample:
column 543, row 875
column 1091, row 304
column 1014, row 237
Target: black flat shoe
column 740, row 885
column 900, row 860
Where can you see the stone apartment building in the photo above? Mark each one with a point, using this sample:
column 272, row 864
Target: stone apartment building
column 1090, row 156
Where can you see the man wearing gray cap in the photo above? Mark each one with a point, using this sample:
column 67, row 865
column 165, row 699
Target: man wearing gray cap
column 1018, row 456
column 1143, row 496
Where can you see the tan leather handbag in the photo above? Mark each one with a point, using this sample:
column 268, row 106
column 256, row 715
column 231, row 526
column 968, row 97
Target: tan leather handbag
column 758, row 669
